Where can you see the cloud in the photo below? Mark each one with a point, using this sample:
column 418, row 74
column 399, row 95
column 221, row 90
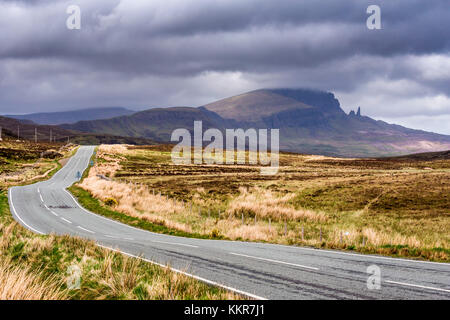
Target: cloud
column 173, row 52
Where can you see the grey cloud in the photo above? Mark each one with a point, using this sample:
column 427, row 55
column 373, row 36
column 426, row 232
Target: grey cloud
column 146, row 53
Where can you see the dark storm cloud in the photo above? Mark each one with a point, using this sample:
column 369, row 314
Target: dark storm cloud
column 185, row 52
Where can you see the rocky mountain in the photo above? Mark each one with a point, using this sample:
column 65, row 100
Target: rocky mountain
column 309, row 121
column 54, row 118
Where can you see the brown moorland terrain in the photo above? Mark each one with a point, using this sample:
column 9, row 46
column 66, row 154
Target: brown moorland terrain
column 396, row 206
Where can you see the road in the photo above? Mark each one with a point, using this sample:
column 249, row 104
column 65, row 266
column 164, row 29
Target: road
column 262, row 271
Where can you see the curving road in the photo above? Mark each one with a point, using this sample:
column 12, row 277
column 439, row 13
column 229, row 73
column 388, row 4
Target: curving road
column 262, row 271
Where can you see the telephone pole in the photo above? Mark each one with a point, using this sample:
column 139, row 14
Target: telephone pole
column 35, row 135
column 50, row 135
column 18, row 133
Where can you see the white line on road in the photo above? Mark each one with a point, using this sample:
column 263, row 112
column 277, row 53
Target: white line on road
column 274, row 261
column 15, row 212
column 40, row 196
column 87, row 230
column 68, row 221
column 175, row 243
column 113, row 237
column 189, row 274
column 417, row 286
column 54, row 213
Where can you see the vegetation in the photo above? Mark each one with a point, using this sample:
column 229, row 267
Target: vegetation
column 38, row 267
column 395, row 206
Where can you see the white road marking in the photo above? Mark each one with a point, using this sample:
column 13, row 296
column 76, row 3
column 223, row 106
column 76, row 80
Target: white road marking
column 250, row 295
column 40, row 196
column 358, row 254
column 113, row 237
column 175, row 243
column 68, row 221
column 15, row 212
column 417, row 286
column 87, row 230
column 274, row 261
column 131, row 239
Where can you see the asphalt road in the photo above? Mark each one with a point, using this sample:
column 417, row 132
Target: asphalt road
column 263, row 271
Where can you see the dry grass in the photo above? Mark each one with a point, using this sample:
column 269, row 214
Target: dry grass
column 392, row 206
column 35, row 267
column 19, row 283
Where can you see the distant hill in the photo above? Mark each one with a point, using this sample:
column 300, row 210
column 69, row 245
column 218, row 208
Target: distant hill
column 13, row 128
column 55, row 118
column 310, row 121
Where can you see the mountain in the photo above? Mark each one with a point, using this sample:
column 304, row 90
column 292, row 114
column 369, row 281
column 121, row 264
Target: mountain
column 54, row 118
column 156, row 124
column 310, row 121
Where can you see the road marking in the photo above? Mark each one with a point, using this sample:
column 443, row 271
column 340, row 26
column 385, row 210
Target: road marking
column 40, row 196
column 87, row 230
column 131, row 239
column 416, row 285
column 68, row 221
column 274, row 261
column 54, row 213
column 250, row 295
column 175, row 243
column 102, row 217
column 113, row 237
column 15, row 212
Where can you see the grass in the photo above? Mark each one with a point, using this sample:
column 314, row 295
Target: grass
column 396, row 207
column 38, row 267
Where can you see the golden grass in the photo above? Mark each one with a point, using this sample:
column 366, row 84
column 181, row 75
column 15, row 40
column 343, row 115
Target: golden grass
column 23, row 283
column 35, row 267
column 382, row 206
column 264, row 204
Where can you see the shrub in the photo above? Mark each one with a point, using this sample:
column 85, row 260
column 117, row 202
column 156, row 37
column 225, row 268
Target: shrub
column 111, row 202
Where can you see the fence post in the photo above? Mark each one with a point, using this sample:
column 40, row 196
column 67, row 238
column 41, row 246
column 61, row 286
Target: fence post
column 270, row 220
column 242, row 218
column 341, row 240
column 320, row 234
column 285, row 228
column 303, row 234
column 209, row 212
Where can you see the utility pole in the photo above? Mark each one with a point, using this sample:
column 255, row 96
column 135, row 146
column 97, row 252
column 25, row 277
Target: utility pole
column 35, row 135
column 18, row 133
column 50, row 135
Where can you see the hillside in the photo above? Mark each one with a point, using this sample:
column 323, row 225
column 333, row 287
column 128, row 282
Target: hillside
column 11, row 128
column 309, row 121
column 156, row 124
column 54, row 118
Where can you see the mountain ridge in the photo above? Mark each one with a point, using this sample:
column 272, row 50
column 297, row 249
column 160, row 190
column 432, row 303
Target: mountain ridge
column 310, row 121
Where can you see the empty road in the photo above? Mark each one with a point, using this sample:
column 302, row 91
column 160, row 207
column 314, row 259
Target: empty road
column 263, row 271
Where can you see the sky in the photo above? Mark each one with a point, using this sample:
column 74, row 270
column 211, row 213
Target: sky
column 141, row 54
